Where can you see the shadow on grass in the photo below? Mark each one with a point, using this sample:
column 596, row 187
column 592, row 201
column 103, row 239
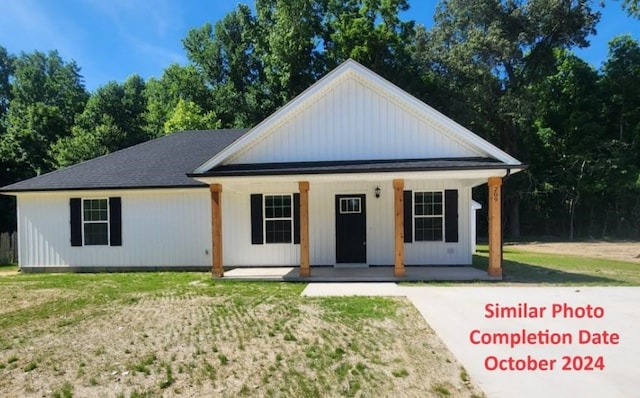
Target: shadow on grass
column 8, row 268
column 514, row 271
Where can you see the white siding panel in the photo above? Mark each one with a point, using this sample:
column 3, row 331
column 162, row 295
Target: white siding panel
column 159, row 228
column 352, row 121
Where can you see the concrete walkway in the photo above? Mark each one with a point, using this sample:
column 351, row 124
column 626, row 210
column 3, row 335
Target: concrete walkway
column 455, row 312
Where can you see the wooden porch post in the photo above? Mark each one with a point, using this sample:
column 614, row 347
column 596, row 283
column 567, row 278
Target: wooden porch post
column 398, row 204
column 305, row 269
column 216, row 230
column 495, row 226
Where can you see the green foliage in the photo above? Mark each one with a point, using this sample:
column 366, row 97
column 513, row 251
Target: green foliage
column 176, row 83
column 112, row 119
column 188, row 115
column 372, row 33
column 6, row 71
column 632, row 7
column 46, row 95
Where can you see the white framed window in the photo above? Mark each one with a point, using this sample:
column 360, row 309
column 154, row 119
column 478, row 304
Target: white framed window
column 350, row 205
column 278, row 218
column 428, row 216
column 95, row 222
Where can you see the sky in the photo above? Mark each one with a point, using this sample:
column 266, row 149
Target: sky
column 113, row 39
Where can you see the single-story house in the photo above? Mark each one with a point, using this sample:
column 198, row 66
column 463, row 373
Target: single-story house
column 353, row 171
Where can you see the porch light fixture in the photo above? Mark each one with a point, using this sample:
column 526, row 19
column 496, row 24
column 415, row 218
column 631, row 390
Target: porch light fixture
column 377, row 191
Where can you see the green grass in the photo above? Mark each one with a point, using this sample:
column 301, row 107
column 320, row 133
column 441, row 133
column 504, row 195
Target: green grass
column 8, row 267
column 66, row 391
column 526, row 267
column 179, row 333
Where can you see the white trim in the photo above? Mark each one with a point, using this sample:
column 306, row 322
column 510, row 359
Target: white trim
column 358, row 211
column 264, row 218
column 413, row 214
column 478, row 176
column 346, row 69
column 107, row 221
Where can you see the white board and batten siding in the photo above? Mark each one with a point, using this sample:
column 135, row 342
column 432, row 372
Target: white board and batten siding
column 172, row 228
column 351, row 120
column 159, row 228
column 239, row 251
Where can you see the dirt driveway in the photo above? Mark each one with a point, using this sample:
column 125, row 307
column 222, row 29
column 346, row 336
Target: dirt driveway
column 626, row 251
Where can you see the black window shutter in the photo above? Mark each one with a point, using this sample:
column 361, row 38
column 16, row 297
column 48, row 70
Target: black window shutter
column 408, row 216
column 296, row 218
column 451, row 215
column 115, row 221
column 256, row 219
column 75, row 204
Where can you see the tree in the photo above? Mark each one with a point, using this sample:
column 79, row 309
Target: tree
column 226, row 56
column 632, row 7
column 490, row 51
column 47, row 93
column 7, row 166
column 163, row 94
column 188, row 115
column 113, row 119
column 620, row 159
column 372, row 33
column 6, row 71
column 620, row 82
column 289, row 45
column 568, row 125
column 256, row 63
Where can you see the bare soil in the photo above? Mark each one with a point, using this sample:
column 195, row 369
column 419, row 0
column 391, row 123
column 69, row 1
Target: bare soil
column 215, row 346
column 626, row 251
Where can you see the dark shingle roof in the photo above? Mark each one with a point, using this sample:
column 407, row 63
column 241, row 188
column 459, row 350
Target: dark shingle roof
column 163, row 162
column 357, row 166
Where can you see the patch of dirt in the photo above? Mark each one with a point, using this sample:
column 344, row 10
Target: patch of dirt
column 626, row 251
column 221, row 346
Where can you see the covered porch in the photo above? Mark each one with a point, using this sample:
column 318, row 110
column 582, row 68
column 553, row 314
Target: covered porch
column 387, row 229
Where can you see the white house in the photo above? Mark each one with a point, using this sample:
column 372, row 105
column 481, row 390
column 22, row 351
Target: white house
column 353, row 171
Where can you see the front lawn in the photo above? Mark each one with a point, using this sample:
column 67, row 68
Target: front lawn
column 528, row 267
column 172, row 334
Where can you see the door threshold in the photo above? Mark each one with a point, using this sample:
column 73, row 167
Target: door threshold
column 351, row 265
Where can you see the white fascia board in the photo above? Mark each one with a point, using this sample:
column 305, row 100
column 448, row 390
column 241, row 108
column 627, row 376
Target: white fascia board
column 480, row 176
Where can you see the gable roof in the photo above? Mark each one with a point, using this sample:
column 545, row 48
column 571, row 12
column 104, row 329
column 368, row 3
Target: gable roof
column 353, row 71
column 159, row 163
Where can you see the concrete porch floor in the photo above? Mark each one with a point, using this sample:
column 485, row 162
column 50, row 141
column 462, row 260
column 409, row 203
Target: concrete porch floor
column 371, row 274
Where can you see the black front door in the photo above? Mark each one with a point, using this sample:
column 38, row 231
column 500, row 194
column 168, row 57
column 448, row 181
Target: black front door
column 351, row 229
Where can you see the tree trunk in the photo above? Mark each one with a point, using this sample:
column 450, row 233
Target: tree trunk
column 572, row 212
